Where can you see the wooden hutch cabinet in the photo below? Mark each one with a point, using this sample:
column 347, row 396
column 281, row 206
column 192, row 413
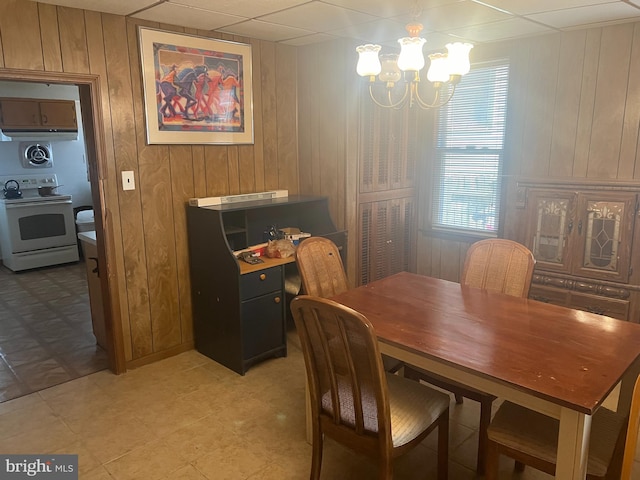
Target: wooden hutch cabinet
column 29, row 114
column 582, row 238
column 240, row 310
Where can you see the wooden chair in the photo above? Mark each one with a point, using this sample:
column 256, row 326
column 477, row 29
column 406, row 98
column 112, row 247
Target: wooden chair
column 353, row 400
column 323, row 275
column 632, row 434
column 531, row 438
column 496, row 265
column 320, row 266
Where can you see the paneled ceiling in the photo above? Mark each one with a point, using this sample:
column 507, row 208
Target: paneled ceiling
column 302, row 22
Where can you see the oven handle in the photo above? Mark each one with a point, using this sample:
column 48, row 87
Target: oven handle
column 31, row 204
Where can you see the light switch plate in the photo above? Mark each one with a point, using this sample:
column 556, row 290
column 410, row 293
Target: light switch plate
column 128, row 182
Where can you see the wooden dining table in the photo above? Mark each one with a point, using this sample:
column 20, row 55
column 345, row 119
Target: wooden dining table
column 558, row 361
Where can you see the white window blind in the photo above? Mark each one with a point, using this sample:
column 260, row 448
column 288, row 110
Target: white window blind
column 469, row 151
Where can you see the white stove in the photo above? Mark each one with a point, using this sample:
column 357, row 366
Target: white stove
column 36, row 231
column 29, row 185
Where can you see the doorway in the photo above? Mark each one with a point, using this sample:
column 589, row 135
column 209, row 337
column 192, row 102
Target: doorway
column 90, row 102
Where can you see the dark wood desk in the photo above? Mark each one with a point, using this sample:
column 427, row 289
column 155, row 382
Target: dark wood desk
column 558, row 361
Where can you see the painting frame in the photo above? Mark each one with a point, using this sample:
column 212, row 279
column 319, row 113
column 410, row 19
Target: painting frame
column 197, row 90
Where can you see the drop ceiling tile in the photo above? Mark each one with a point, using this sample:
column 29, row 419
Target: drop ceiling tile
column 266, row 31
column 378, row 31
column 187, row 16
column 436, row 42
column 309, row 39
column 242, row 8
column 117, row 7
column 589, row 15
column 525, row 7
column 505, row 29
column 459, row 14
column 386, row 8
column 318, row 17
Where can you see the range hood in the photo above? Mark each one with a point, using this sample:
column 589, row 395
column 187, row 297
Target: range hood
column 8, row 135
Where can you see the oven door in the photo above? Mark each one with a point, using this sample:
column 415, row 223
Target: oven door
column 39, row 225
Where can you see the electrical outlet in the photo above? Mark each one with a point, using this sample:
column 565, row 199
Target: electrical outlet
column 128, row 182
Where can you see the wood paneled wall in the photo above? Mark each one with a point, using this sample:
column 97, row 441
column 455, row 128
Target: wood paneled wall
column 146, row 227
column 574, row 112
column 328, row 91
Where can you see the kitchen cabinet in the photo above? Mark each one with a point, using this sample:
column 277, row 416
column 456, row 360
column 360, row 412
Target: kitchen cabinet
column 239, row 309
column 35, row 114
column 582, row 238
column 90, row 252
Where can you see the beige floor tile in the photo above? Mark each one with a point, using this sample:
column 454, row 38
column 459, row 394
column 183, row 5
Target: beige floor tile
column 189, row 418
column 115, row 437
column 200, row 438
column 150, row 462
column 22, row 420
column 45, row 438
column 20, row 403
column 86, row 461
column 99, row 473
column 187, row 472
column 237, row 459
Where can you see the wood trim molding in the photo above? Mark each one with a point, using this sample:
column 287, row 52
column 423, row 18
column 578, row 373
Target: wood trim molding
column 573, row 184
column 585, row 286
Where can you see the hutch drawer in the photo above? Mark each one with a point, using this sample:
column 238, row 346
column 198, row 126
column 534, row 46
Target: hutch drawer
column 260, row 282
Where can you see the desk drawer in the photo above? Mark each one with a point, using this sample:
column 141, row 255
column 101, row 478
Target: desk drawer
column 260, row 282
column 549, row 295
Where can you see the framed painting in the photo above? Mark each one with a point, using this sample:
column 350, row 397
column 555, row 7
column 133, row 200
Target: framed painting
column 197, row 90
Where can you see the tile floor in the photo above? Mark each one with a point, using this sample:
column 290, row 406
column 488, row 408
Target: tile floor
column 45, row 329
column 189, row 418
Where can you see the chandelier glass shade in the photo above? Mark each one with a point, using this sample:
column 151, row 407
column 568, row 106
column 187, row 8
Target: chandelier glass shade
column 389, row 68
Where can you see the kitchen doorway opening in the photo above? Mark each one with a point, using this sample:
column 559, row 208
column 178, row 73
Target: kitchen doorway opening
column 93, row 129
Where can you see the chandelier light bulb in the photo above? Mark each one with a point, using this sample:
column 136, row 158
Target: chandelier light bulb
column 368, row 61
column 411, row 58
column 458, row 54
column 390, row 71
column 439, row 68
column 444, row 68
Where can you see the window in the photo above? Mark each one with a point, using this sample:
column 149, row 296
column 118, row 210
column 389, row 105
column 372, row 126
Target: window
column 469, row 150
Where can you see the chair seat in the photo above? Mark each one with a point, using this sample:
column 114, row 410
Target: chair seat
column 536, row 435
column 413, row 408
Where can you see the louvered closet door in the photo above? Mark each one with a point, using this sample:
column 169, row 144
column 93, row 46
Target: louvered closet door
column 387, row 243
column 387, row 156
column 387, row 172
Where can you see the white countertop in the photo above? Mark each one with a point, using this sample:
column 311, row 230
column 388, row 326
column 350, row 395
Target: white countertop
column 89, row 237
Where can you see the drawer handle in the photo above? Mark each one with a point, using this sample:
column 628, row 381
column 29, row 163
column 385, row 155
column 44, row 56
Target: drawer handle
column 95, row 270
column 263, row 276
column 276, row 300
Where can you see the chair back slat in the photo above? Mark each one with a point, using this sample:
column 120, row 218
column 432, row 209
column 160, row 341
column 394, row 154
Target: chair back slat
column 343, row 361
column 321, row 269
column 628, row 460
column 499, row 265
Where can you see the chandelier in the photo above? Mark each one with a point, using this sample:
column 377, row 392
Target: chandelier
column 445, row 68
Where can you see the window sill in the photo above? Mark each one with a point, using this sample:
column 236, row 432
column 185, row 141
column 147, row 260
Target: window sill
column 455, row 235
